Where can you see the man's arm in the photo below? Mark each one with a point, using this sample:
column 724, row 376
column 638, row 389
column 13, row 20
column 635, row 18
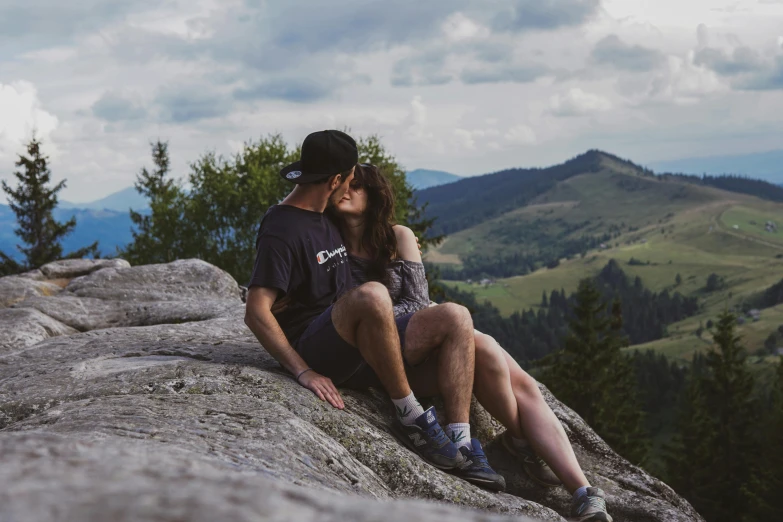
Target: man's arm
column 259, row 318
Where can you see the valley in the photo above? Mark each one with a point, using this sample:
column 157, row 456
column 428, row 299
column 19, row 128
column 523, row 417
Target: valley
column 654, row 228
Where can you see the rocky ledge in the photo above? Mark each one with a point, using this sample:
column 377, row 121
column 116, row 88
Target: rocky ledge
column 137, row 393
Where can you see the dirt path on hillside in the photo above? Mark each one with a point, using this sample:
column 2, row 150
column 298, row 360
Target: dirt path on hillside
column 723, row 228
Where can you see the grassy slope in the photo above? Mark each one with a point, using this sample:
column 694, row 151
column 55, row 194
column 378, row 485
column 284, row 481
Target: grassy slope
column 698, row 239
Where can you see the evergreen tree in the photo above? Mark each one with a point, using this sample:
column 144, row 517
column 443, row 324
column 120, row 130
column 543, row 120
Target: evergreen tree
column 767, row 478
column 217, row 219
column 160, row 236
column 593, row 377
column 711, row 461
column 33, row 201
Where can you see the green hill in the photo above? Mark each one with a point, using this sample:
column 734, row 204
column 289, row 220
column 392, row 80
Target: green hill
column 596, row 208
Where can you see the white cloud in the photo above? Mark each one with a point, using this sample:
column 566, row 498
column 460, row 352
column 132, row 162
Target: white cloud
column 459, row 27
column 22, row 113
column 447, row 84
column 577, row 102
column 521, row 135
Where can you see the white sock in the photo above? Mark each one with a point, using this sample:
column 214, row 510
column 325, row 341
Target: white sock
column 459, row 433
column 408, row 409
column 581, row 491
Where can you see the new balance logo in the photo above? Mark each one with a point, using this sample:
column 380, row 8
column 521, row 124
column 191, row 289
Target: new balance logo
column 417, row 440
column 430, row 417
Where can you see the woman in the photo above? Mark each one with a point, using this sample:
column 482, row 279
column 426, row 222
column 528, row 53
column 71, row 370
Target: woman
column 382, row 251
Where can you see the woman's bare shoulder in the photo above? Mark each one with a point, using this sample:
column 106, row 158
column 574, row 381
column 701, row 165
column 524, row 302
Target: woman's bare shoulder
column 407, row 247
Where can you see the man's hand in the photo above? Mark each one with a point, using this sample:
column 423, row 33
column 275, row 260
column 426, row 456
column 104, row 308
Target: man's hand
column 419, row 245
column 323, row 387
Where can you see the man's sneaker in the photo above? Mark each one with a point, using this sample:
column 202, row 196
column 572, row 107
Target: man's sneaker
column 534, row 466
column 590, row 507
column 476, row 468
column 426, row 438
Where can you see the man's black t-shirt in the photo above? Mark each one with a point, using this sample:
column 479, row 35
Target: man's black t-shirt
column 301, row 253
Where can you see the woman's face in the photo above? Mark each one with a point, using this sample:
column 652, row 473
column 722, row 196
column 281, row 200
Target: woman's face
column 354, row 202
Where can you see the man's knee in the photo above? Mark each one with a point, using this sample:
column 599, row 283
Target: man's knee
column 456, row 316
column 372, row 298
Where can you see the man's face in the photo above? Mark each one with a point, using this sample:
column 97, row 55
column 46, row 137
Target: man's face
column 342, row 188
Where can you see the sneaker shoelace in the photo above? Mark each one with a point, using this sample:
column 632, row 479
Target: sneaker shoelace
column 596, row 503
column 438, row 436
column 479, row 459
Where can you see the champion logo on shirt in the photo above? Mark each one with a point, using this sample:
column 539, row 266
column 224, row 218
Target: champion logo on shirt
column 324, row 255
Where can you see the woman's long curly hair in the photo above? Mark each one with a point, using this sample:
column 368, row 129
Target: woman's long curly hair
column 378, row 239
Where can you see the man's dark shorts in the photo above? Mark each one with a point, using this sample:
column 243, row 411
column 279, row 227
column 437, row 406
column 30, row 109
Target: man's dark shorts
column 327, row 353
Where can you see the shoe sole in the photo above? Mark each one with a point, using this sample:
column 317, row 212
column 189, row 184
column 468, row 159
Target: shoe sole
column 531, row 475
column 486, row 484
column 597, row 517
column 402, row 436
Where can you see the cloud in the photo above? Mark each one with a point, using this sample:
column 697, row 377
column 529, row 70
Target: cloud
column 577, row 102
column 191, row 104
column 545, row 14
column 521, row 135
column 740, row 60
column 613, row 51
column 297, row 90
column 746, row 68
column 503, row 73
column 22, row 113
column 768, row 80
column 115, row 107
column 37, row 24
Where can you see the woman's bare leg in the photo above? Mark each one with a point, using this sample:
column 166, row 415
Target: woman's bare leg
column 512, row 396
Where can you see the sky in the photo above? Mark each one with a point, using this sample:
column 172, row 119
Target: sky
column 468, row 87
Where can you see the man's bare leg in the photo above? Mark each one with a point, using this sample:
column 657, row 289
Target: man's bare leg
column 444, row 332
column 510, row 395
column 364, row 317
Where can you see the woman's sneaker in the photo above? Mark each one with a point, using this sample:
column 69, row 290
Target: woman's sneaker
column 590, row 507
column 476, row 469
column 426, row 438
column 534, row 466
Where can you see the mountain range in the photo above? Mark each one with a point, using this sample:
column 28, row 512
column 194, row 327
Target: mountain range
column 421, row 179
column 119, row 201
column 762, row 165
column 107, row 219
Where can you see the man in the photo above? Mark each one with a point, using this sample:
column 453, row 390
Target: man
column 327, row 333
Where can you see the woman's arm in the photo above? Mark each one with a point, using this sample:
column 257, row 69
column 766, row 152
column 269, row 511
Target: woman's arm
column 415, row 291
column 407, row 245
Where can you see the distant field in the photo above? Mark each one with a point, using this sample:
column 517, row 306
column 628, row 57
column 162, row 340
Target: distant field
column 693, row 240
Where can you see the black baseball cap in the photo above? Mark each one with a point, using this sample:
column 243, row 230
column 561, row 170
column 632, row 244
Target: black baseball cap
column 324, row 154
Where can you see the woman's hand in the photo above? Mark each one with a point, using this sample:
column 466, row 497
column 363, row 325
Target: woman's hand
column 419, row 245
column 280, row 305
column 322, row 387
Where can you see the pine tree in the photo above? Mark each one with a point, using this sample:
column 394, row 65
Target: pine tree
column 767, row 478
column 161, row 235
column 593, row 377
column 716, row 442
column 33, row 201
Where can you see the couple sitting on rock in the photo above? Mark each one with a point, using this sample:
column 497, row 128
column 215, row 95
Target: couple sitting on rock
column 338, row 297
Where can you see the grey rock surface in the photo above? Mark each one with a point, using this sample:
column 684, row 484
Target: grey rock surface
column 194, row 421
column 177, row 281
column 90, row 313
column 14, row 289
column 27, row 327
column 70, row 268
column 49, row 477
